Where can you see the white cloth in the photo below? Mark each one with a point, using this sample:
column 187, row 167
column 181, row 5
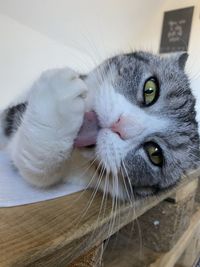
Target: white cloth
column 15, row 191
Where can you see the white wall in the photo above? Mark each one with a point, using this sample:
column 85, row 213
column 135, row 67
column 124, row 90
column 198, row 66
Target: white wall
column 99, row 27
column 25, row 53
column 36, row 35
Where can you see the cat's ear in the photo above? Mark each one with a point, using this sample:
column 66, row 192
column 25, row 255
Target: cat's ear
column 181, row 59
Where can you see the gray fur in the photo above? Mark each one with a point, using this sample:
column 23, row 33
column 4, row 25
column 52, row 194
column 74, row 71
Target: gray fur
column 180, row 143
column 12, row 118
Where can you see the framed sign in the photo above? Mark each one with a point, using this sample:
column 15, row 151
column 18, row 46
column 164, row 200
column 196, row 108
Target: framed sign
column 176, row 30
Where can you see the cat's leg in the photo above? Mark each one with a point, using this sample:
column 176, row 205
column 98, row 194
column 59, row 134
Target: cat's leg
column 42, row 144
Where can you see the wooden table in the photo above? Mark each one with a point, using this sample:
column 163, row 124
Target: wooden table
column 56, row 232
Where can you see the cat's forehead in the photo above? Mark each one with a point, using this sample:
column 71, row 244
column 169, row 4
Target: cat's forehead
column 130, row 71
column 143, row 61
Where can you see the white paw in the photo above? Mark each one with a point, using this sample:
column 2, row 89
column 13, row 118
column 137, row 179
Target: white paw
column 58, row 98
column 58, row 84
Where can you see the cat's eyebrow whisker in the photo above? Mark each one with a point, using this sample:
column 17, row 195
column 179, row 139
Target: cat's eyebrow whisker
column 93, row 50
column 101, row 75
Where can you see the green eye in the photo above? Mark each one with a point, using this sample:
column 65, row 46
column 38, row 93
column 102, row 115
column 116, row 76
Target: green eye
column 151, row 91
column 154, row 153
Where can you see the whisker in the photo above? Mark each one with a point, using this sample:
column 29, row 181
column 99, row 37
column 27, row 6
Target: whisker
column 92, row 196
column 87, row 186
column 102, row 202
column 113, row 215
column 134, row 214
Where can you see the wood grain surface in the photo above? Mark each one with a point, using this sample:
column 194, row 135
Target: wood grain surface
column 93, row 258
column 170, row 258
column 55, row 232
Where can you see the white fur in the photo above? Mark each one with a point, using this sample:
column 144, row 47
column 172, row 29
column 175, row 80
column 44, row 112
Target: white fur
column 44, row 141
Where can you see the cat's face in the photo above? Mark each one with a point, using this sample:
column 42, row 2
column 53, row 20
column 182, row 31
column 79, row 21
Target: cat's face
column 148, row 136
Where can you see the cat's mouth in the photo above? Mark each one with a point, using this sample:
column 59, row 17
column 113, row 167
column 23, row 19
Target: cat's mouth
column 87, row 136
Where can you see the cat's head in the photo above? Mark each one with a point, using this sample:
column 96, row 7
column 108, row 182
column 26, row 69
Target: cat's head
column 146, row 110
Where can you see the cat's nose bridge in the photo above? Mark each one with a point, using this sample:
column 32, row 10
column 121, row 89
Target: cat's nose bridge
column 127, row 127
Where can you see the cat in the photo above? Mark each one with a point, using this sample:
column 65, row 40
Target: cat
column 134, row 115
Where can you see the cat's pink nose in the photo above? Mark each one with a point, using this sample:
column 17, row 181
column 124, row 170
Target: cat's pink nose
column 118, row 127
column 127, row 127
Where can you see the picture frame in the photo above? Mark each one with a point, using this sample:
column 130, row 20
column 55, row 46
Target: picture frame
column 176, row 30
